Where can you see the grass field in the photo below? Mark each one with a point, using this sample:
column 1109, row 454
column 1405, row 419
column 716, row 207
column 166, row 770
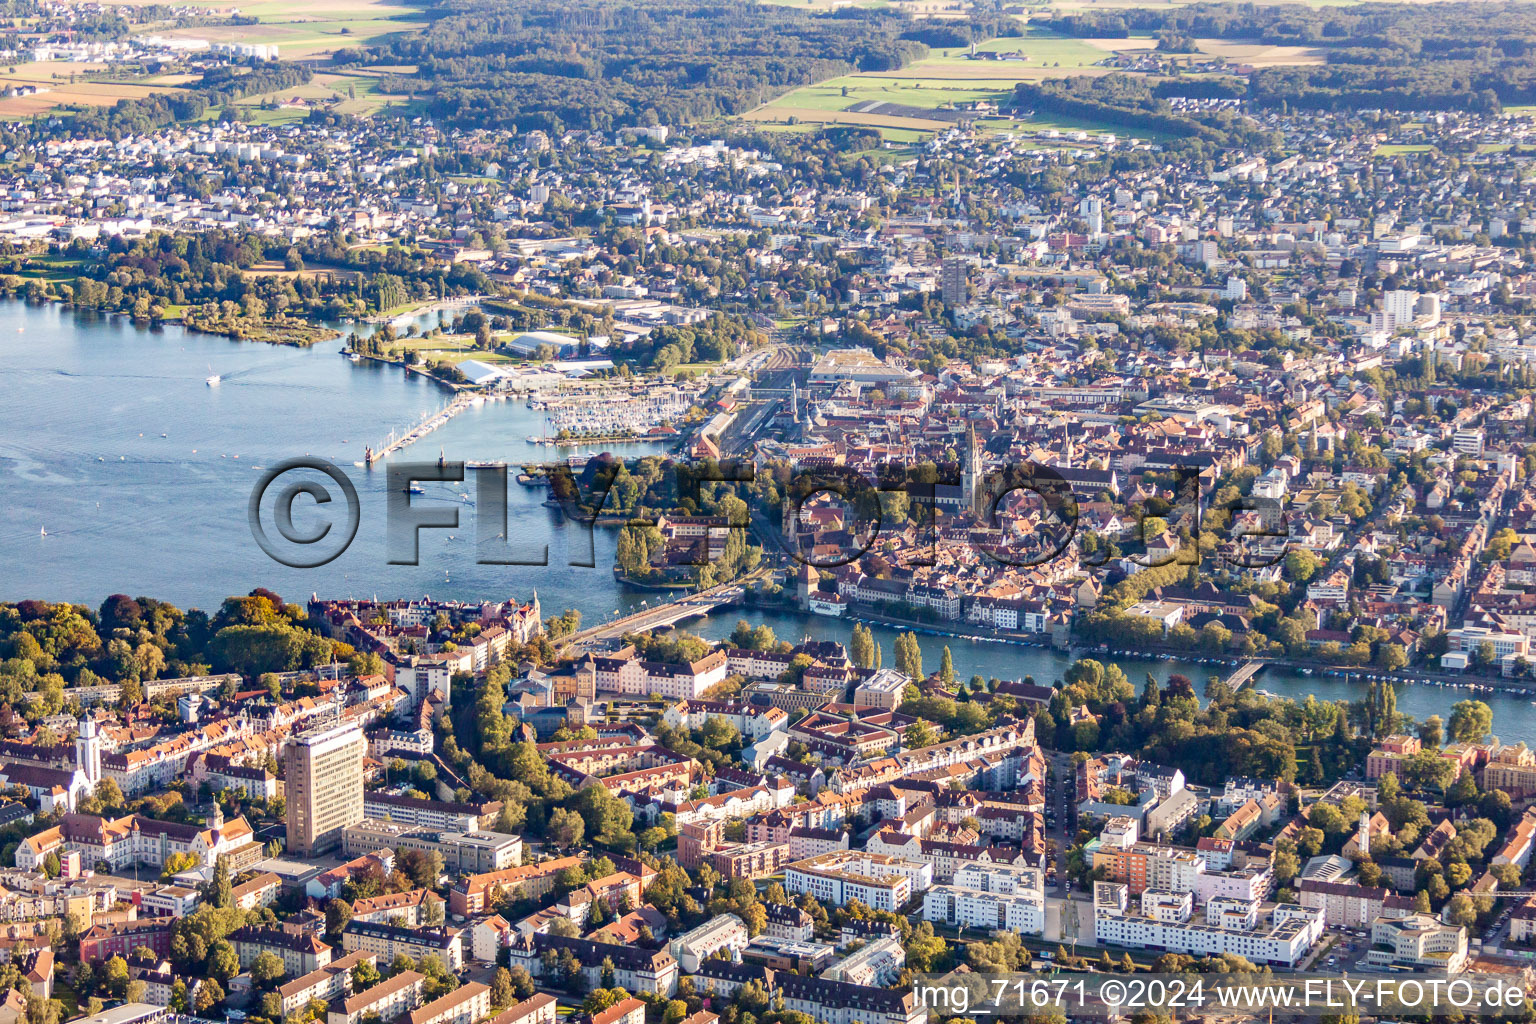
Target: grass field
column 52, row 267
column 353, row 93
column 299, row 29
column 952, row 78
column 947, row 79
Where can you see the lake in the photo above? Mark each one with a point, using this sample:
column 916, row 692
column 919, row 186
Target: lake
column 141, row 474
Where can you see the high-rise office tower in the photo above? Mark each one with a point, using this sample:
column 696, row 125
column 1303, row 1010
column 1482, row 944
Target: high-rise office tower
column 323, row 785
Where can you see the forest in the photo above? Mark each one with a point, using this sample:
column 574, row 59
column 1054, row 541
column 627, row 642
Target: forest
column 206, row 274
column 1130, row 102
column 1387, row 56
column 594, row 65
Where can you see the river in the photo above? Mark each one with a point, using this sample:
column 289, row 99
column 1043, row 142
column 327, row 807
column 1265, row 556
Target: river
column 126, row 509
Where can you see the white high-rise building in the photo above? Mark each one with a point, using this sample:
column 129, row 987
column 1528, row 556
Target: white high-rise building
column 1092, row 210
column 1401, row 305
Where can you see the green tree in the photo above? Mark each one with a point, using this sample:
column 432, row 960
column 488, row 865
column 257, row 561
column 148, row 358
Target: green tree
column 920, row 734
column 222, row 887
column 501, row 989
column 209, row 994
column 1471, row 720
column 565, row 827
column 337, row 913
column 267, row 968
column 861, row 646
column 909, row 656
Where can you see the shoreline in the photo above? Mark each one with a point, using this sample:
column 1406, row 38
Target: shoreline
column 434, row 306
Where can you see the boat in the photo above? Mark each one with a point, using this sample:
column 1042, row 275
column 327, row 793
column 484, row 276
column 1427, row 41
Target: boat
column 415, row 489
column 42, row 531
column 213, row 381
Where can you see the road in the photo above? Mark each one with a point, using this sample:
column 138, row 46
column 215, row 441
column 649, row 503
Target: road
column 699, row 603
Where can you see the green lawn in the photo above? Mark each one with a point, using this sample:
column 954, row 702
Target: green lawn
column 294, row 27
column 52, row 267
column 949, row 78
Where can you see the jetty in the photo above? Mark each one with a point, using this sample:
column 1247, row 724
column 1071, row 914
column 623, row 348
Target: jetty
column 460, row 402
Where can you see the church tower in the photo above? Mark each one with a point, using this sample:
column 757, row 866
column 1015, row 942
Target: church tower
column 88, row 750
column 971, row 473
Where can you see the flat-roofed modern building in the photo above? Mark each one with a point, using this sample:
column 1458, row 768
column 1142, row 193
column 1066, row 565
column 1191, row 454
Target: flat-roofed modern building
column 876, row 880
column 467, row 852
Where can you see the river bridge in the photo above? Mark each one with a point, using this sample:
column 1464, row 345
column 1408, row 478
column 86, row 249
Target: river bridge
column 1244, row 673
column 671, row 613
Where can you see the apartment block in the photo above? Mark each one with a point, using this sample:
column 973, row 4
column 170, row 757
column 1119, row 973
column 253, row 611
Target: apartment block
column 387, row 1000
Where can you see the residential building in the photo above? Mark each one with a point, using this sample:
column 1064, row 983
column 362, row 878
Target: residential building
column 1167, row 921
column 387, row 1000
column 878, row 881
column 464, row 1005
column 389, row 941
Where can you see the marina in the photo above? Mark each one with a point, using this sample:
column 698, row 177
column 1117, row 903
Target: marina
column 603, row 414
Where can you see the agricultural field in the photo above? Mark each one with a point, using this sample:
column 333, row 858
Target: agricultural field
column 1261, row 55
column 298, row 34
column 66, row 82
column 929, row 94
column 947, row 79
column 299, row 30
column 1075, row 5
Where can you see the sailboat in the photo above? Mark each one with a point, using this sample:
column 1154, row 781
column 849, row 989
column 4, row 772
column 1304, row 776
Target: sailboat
column 42, row 531
column 213, row 379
